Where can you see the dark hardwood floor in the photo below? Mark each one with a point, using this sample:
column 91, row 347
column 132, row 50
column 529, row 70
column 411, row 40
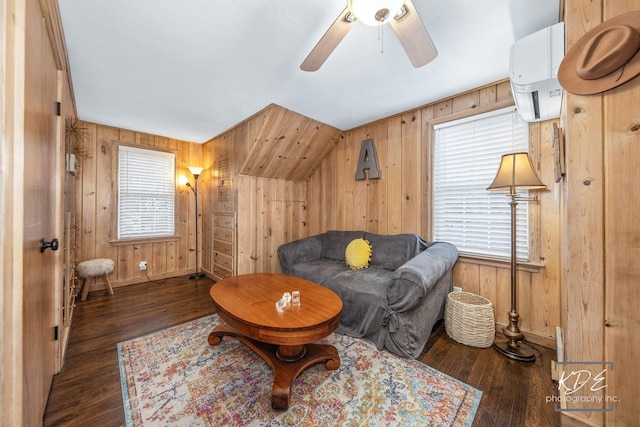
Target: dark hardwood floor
column 87, row 390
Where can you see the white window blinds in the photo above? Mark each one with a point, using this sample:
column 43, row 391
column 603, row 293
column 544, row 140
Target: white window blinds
column 467, row 154
column 146, row 193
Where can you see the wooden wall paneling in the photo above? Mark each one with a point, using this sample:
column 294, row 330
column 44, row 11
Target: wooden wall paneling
column 317, row 141
column 158, row 259
column 293, row 152
column 583, row 221
column 345, row 176
column 443, row 108
column 503, row 296
column 124, row 269
column 545, row 308
column 358, row 205
column 622, row 252
column 285, row 144
column 376, row 188
column 88, row 202
column 467, row 276
column 394, row 175
column 372, row 201
column 503, row 91
column 323, row 208
column 272, row 207
column 426, row 188
column 466, row 102
column 98, row 208
column 260, row 207
column 488, row 284
column 487, row 96
column 259, row 146
column 523, row 300
column 300, row 206
column 282, row 140
column 246, row 245
column 412, row 162
column 106, row 190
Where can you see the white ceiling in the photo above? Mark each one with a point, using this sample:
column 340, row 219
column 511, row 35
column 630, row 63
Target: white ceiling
column 191, row 69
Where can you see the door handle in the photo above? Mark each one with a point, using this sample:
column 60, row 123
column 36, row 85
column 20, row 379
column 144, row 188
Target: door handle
column 53, row 244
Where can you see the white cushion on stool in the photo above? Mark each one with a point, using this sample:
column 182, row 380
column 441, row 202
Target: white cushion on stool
column 95, row 267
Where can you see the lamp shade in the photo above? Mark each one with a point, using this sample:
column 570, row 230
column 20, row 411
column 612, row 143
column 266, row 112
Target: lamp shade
column 195, row 170
column 516, row 172
column 375, row 12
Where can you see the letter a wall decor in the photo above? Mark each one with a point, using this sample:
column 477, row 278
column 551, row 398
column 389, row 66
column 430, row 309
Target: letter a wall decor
column 368, row 162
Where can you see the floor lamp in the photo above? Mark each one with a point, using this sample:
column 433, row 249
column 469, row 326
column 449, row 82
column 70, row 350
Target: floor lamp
column 515, row 173
column 196, row 171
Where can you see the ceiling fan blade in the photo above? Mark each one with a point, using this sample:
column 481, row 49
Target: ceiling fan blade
column 329, row 41
column 414, row 36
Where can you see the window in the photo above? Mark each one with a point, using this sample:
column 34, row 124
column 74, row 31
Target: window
column 146, row 193
column 466, row 157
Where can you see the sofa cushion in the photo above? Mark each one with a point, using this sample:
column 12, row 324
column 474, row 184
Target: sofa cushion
column 391, row 252
column 335, row 243
column 358, row 254
column 319, row 271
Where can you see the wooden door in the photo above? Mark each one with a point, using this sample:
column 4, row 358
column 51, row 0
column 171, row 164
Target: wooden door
column 40, row 201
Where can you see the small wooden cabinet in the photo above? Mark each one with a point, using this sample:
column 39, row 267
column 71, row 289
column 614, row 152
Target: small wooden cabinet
column 224, row 244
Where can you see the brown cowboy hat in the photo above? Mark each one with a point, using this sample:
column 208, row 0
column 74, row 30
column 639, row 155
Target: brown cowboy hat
column 603, row 58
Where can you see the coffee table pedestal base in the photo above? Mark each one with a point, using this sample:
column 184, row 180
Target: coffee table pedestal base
column 287, row 362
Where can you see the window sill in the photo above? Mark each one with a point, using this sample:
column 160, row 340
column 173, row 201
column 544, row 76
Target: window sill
column 144, row 240
column 532, row 267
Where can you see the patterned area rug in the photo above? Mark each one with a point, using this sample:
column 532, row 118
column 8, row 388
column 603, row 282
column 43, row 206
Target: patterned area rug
column 173, row 377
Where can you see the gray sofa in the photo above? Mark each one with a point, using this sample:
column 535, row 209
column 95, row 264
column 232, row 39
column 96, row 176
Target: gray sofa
column 395, row 301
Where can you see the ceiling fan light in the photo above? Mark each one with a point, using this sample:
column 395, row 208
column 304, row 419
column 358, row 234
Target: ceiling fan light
column 367, row 10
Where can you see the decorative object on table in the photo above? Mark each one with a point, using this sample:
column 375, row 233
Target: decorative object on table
column 196, row 171
column 515, row 173
column 93, row 268
column 469, row 319
column 173, row 377
column 605, row 57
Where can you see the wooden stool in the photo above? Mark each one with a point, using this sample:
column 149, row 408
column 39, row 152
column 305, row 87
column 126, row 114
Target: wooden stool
column 100, row 267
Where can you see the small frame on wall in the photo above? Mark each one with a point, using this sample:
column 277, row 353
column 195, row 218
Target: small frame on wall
column 558, row 152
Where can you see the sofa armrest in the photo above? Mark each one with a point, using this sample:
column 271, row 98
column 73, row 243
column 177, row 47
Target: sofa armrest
column 418, row 275
column 302, row 250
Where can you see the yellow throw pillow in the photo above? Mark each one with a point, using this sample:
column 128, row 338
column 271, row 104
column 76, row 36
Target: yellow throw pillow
column 358, row 254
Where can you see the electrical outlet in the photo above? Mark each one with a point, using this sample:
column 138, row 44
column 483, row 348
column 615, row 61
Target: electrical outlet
column 142, row 265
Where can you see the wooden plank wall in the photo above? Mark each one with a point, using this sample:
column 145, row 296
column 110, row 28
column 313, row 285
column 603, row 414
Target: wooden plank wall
column 601, row 268
column 270, row 211
column 399, row 202
column 97, row 208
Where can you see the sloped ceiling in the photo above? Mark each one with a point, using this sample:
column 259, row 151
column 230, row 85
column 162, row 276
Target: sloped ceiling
column 192, row 69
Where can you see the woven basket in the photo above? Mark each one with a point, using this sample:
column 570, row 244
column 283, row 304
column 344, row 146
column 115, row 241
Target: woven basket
column 469, row 319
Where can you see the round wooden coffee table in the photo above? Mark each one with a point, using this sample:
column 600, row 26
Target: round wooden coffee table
column 283, row 338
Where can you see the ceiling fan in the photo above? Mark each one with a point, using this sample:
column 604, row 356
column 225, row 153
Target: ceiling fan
column 400, row 14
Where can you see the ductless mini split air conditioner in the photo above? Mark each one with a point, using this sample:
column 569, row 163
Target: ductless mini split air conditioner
column 533, row 72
